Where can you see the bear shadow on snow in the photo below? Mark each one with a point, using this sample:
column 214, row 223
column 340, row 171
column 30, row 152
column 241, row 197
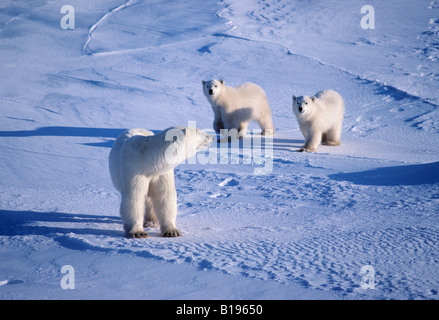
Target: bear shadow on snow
column 59, row 131
column 287, row 144
column 408, row 175
column 64, row 132
column 18, row 223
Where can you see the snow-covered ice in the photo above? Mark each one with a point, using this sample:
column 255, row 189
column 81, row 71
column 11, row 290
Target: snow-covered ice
column 304, row 228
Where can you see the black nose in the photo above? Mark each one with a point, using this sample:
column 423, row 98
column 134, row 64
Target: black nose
column 300, row 109
column 210, row 91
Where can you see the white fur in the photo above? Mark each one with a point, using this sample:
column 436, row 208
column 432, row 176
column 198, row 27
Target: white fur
column 142, row 170
column 320, row 118
column 234, row 108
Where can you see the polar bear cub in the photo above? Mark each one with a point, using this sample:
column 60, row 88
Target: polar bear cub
column 142, row 170
column 234, row 108
column 320, row 118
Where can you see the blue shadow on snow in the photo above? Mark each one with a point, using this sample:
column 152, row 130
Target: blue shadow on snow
column 19, row 223
column 409, row 175
column 64, row 132
column 71, row 132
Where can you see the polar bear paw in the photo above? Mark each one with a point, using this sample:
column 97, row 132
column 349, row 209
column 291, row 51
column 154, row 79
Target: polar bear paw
column 173, row 232
column 137, row 235
column 331, row 143
column 305, row 149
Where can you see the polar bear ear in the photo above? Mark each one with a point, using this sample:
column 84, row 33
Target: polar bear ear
column 203, row 82
column 294, row 98
column 222, row 81
column 313, row 98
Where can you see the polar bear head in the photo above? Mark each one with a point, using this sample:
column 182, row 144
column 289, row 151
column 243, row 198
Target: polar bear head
column 303, row 105
column 184, row 142
column 212, row 88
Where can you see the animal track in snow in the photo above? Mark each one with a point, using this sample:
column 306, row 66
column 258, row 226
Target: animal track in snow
column 330, row 262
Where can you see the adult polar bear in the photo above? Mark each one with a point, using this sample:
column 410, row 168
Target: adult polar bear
column 142, row 170
column 320, row 118
column 234, row 108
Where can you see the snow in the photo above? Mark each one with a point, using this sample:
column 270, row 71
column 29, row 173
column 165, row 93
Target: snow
column 287, row 225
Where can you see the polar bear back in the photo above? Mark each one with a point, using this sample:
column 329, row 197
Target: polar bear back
column 328, row 109
column 244, row 102
column 246, row 95
column 138, row 152
column 116, row 159
column 329, row 101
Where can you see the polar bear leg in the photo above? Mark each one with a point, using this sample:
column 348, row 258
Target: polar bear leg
column 333, row 135
column 132, row 208
column 230, row 131
column 242, row 129
column 164, row 197
column 229, row 135
column 218, row 124
column 150, row 216
column 266, row 124
column 304, row 130
column 313, row 139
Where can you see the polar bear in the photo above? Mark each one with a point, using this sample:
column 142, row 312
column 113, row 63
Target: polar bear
column 142, row 170
column 320, row 118
column 234, row 108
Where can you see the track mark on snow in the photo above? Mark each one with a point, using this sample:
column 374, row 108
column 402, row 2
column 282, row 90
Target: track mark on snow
column 333, row 262
column 86, row 49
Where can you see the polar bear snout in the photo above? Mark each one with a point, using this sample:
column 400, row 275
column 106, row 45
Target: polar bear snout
column 301, row 108
column 210, row 91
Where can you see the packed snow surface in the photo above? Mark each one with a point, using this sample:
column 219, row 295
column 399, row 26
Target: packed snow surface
column 261, row 220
